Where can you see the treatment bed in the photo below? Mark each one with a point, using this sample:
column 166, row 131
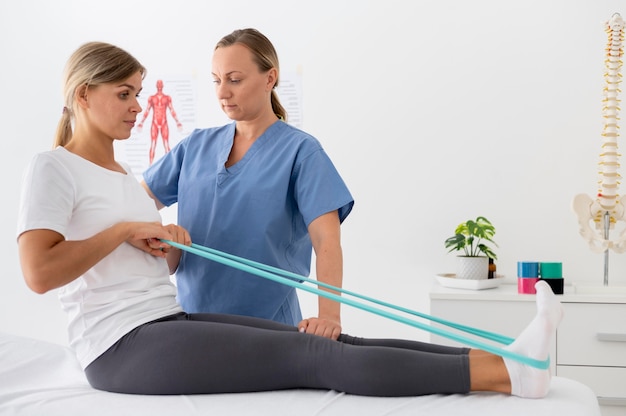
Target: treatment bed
column 41, row 378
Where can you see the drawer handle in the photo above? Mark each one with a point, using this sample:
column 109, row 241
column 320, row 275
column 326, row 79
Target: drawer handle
column 611, row 401
column 613, row 337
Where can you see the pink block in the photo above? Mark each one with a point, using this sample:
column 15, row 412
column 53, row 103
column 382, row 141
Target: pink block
column 526, row 285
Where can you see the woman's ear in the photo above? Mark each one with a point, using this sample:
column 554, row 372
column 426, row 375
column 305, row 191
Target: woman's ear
column 81, row 95
column 272, row 78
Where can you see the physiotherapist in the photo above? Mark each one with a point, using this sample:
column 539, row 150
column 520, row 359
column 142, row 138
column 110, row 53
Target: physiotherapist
column 257, row 188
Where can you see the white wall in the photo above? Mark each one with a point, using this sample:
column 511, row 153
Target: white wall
column 433, row 111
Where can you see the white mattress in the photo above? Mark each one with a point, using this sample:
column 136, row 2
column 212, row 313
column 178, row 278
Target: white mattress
column 40, row 378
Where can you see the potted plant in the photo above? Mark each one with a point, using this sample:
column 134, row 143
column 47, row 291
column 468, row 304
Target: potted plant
column 470, row 238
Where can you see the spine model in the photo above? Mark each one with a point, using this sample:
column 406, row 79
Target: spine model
column 609, row 158
column 607, row 209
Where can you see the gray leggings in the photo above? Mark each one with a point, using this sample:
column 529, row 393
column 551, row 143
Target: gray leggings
column 211, row 353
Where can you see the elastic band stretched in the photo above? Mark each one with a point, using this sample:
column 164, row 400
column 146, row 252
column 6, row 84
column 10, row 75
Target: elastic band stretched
column 295, row 281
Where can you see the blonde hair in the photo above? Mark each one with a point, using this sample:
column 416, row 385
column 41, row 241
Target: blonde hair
column 264, row 55
column 92, row 64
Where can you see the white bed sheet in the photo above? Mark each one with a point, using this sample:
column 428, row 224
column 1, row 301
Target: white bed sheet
column 41, row 378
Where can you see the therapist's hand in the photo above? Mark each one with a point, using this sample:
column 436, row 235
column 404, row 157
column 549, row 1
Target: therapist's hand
column 181, row 236
column 319, row 326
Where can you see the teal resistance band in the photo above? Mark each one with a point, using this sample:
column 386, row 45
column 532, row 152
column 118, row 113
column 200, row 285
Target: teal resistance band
column 478, row 332
column 295, row 280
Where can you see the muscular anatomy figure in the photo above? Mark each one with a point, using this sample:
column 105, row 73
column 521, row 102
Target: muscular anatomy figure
column 159, row 103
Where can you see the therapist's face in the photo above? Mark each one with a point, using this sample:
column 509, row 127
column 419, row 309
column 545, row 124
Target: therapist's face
column 243, row 91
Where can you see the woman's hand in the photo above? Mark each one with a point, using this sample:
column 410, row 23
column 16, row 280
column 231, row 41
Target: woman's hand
column 148, row 237
column 173, row 254
column 319, row 326
column 179, row 235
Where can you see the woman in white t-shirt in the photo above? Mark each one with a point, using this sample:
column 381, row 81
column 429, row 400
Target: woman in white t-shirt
column 88, row 229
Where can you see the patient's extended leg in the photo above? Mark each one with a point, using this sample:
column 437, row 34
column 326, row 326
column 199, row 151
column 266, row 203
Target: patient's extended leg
column 494, row 373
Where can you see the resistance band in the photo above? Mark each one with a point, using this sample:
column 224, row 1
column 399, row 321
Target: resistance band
column 295, row 280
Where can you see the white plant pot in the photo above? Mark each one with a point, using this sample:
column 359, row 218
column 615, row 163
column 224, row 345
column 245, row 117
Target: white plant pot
column 472, row 267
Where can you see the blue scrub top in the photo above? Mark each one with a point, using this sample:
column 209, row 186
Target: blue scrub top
column 258, row 209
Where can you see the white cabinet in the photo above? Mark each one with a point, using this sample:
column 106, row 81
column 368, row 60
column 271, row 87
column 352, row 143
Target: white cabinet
column 590, row 345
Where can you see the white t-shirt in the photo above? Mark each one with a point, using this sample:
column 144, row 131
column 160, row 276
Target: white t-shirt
column 76, row 198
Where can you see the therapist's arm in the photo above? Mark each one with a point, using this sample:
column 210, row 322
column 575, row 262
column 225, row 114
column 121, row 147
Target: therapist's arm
column 158, row 203
column 326, row 238
column 174, row 255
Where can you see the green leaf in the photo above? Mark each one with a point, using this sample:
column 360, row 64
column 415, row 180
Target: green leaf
column 469, row 236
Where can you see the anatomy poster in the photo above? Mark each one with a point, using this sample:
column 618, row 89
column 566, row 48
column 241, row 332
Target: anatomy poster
column 289, row 92
column 169, row 115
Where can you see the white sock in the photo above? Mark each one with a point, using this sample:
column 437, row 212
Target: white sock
column 534, row 342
